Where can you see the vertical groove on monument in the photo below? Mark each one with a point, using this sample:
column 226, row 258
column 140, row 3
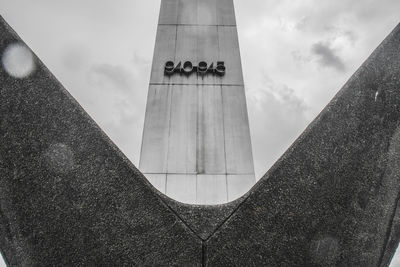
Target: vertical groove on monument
column 196, row 144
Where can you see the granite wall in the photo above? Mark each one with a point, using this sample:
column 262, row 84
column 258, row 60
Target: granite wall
column 69, row 197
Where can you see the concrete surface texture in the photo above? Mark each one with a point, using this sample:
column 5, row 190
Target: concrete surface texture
column 196, row 144
column 69, row 197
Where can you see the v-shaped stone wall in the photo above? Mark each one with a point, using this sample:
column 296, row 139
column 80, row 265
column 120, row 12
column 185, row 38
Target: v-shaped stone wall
column 69, row 197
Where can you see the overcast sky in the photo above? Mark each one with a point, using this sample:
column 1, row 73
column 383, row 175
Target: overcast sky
column 296, row 55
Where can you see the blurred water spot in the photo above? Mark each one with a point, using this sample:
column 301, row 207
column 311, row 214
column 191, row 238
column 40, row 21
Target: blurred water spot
column 325, row 250
column 59, row 158
column 18, row 60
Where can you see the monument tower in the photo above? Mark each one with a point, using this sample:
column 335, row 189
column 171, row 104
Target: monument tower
column 196, row 144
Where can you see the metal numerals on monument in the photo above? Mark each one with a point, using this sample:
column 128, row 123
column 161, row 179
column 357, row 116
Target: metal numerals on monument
column 188, row 68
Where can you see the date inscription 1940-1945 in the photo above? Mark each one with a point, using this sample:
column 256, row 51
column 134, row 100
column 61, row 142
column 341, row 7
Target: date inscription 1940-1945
column 188, row 68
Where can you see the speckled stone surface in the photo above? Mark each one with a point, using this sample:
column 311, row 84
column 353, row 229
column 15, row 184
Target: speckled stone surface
column 69, row 197
column 204, row 221
column 331, row 199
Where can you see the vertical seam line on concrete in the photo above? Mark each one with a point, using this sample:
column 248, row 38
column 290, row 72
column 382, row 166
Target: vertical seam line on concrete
column 197, row 135
column 223, row 123
column 170, row 108
column 178, row 15
column 169, row 134
column 165, row 183
column 224, row 133
column 197, row 89
column 197, row 12
column 224, row 130
column 197, row 129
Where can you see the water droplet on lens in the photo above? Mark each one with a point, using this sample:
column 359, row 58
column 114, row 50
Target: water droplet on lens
column 59, row 158
column 18, row 60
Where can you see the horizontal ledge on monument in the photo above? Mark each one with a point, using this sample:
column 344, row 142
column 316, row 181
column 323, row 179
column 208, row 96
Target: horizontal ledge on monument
column 197, row 84
column 206, row 25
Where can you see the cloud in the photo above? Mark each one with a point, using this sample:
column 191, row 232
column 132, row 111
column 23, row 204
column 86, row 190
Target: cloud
column 119, row 92
column 115, row 75
column 327, row 57
column 74, row 57
column 351, row 36
column 277, row 117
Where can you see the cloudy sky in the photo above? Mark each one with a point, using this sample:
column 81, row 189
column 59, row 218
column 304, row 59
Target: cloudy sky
column 296, row 55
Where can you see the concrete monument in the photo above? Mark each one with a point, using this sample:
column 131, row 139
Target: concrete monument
column 196, row 142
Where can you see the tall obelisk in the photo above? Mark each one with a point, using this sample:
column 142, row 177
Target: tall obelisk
column 196, row 144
